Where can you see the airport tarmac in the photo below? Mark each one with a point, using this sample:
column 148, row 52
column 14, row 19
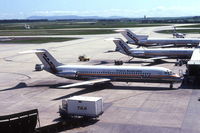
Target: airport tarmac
column 128, row 107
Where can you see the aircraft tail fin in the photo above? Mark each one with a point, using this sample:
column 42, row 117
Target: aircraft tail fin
column 122, row 46
column 49, row 62
column 129, row 35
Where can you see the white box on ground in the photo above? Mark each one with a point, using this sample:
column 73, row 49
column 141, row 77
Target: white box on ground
column 84, row 106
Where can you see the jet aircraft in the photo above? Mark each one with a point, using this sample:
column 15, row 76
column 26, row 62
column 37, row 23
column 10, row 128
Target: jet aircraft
column 141, row 40
column 153, row 53
column 177, row 34
column 104, row 74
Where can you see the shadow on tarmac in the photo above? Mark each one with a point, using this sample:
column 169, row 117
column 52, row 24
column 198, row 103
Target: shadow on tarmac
column 93, row 88
column 66, row 124
column 88, row 88
column 143, row 62
column 103, row 63
column 110, row 51
column 18, row 86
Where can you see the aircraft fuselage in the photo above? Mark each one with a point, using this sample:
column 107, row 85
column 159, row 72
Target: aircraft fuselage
column 171, row 53
column 177, row 41
column 116, row 73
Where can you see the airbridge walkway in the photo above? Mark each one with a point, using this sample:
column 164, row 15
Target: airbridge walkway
column 193, row 68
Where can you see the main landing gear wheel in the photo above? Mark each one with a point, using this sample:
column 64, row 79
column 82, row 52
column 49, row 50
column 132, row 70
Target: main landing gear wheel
column 171, row 85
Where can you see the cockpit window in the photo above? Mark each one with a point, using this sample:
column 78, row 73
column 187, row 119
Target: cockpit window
column 168, row 72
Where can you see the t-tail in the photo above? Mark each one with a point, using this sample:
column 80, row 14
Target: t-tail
column 130, row 36
column 49, row 62
column 122, row 46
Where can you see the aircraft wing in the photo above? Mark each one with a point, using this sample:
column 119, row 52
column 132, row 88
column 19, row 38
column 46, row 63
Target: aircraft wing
column 158, row 58
column 85, row 83
column 162, row 46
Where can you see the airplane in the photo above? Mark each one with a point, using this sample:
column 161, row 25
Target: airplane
column 104, row 74
column 177, row 34
column 155, row 54
column 5, row 39
column 165, row 42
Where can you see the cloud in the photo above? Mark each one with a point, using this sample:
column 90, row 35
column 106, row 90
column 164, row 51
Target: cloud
column 159, row 11
column 173, row 11
column 19, row 15
column 104, row 13
column 52, row 13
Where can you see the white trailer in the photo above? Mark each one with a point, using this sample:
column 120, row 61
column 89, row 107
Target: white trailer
column 81, row 106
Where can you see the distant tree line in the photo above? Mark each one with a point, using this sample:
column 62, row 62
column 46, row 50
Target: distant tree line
column 195, row 19
column 22, row 20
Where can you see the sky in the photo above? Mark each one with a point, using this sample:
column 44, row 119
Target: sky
column 21, row 9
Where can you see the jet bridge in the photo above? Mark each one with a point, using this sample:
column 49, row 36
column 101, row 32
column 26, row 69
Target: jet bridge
column 193, row 66
column 23, row 122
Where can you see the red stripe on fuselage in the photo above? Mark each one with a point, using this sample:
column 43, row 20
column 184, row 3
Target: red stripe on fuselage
column 123, row 75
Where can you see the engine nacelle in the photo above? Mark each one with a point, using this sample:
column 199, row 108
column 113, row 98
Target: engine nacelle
column 68, row 74
column 139, row 53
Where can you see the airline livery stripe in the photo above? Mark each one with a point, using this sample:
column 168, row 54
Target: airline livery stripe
column 166, row 53
column 126, row 75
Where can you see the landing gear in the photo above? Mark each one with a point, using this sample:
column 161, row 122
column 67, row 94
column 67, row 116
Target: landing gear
column 189, row 45
column 118, row 62
column 171, row 85
column 158, row 61
column 181, row 62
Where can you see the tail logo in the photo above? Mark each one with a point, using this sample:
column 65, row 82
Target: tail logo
column 52, row 66
column 132, row 37
column 124, row 48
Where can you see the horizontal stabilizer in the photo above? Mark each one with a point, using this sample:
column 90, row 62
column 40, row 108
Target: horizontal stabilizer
column 121, row 30
column 162, row 46
column 158, row 58
column 32, row 51
column 112, row 39
column 49, row 62
column 84, row 83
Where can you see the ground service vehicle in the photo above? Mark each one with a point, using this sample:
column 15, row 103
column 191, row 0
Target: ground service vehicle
column 39, row 67
column 79, row 106
column 83, row 58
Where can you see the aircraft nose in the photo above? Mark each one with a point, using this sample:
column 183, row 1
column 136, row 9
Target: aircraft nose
column 177, row 78
column 176, row 75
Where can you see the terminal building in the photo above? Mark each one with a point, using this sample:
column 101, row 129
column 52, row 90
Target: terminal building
column 193, row 67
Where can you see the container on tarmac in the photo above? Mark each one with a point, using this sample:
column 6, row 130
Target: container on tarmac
column 82, row 106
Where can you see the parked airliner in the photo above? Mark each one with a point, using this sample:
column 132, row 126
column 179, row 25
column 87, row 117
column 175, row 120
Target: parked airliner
column 177, row 34
column 166, row 42
column 104, row 74
column 153, row 54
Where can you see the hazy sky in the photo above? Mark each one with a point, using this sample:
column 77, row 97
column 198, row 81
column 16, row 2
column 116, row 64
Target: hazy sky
column 21, row 9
